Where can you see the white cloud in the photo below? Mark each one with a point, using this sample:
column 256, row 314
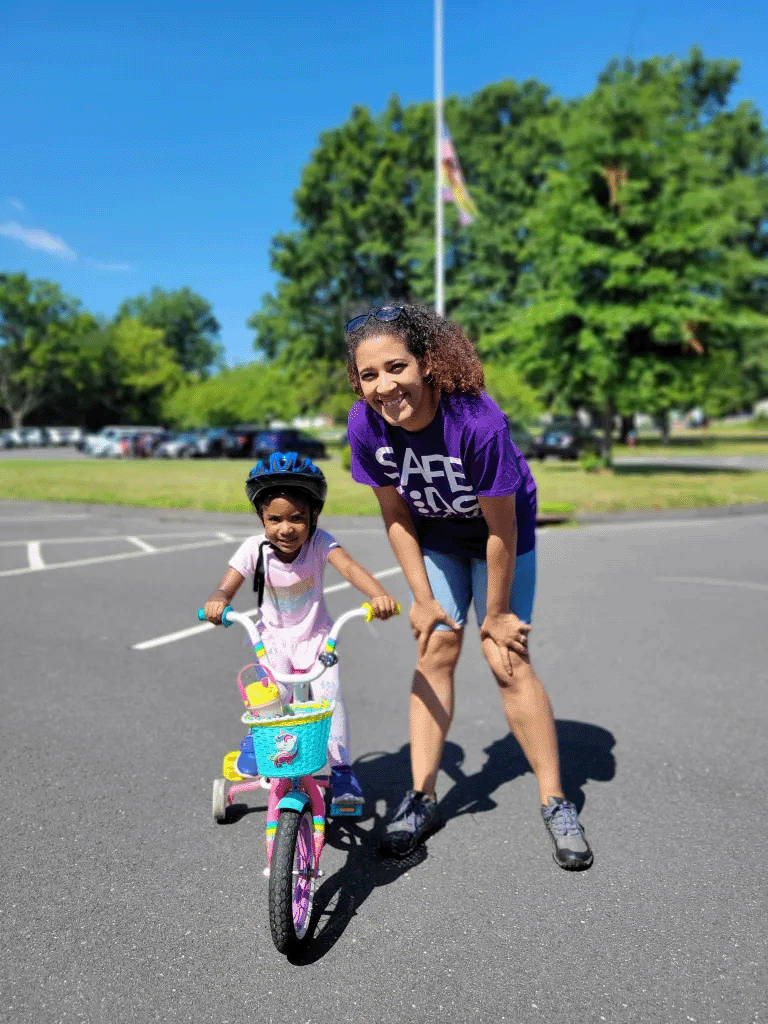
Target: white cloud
column 38, row 238
column 17, row 204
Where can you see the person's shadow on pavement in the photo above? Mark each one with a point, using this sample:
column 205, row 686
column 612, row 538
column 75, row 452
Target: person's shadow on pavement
column 585, row 753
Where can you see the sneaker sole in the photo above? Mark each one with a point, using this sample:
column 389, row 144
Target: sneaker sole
column 574, row 865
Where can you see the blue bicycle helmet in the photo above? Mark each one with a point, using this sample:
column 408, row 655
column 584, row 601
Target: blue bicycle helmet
column 286, row 470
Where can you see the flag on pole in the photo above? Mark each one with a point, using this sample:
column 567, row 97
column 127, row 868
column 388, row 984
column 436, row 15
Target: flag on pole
column 454, row 189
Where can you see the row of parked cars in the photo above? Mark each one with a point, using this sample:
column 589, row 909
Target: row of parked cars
column 251, row 442
column 40, row 437
column 563, row 438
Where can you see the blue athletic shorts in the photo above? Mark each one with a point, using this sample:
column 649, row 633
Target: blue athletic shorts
column 456, row 581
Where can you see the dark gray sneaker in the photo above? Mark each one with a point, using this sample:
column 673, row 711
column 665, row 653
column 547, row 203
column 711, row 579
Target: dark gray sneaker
column 417, row 816
column 572, row 850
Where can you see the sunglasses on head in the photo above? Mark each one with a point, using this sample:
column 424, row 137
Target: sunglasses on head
column 385, row 315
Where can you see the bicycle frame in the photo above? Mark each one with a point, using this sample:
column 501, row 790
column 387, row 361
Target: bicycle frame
column 298, row 791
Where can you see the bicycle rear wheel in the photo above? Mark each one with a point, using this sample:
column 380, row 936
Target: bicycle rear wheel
column 292, row 880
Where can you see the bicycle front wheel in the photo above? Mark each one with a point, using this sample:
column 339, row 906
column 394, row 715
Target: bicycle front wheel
column 292, row 880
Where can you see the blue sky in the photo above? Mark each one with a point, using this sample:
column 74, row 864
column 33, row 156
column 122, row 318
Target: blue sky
column 158, row 142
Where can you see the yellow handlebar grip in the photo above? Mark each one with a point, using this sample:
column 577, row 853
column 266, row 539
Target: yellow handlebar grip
column 369, row 611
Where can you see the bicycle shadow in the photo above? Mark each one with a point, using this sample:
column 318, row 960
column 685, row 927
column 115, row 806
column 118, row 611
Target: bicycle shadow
column 586, row 753
column 382, row 776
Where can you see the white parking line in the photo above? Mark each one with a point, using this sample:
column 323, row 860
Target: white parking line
column 34, row 557
column 182, row 634
column 43, row 519
column 705, row 581
column 113, row 558
column 142, row 544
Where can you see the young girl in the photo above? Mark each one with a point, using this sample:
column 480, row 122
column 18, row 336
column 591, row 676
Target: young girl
column 287, row 563
column 459, row 504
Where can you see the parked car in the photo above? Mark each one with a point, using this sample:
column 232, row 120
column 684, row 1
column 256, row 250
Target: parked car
column 180, row 446
column 238, row 441
column 147, row 441
column 35, row 437
column 567, row 439
column 211, row 442
column 14, row 437
column 60, row 436
column 109, row 441
column 287, row 439
column 523, row 439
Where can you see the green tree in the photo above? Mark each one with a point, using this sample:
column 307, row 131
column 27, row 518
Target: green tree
column 189, row 328
column 365, row 210
column 131, row 373
column 511, row 393
column 41, row 332
column 643, row 242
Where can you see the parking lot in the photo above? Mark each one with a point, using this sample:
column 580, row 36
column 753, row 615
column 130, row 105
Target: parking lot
column 124, row 901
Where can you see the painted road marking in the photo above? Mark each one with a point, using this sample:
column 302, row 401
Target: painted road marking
column 43, row 519
column 706, row 581
column 34, row 557
column 142, row 544
column 115, row 536
column 214, row 537
column 182, row 634
column 75, row 563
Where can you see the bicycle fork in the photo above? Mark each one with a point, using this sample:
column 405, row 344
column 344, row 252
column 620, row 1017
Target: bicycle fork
column 296, row 795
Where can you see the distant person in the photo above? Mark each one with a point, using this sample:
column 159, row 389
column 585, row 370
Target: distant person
column 287, row 563
column 459, row 505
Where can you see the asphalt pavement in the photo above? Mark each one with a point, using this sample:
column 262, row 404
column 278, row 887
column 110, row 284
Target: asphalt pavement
column 123, row 901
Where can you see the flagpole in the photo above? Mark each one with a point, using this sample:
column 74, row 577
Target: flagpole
column 439, row 253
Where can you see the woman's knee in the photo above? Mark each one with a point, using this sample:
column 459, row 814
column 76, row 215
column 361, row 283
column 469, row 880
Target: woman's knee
column 510, row 673
column 442, row 652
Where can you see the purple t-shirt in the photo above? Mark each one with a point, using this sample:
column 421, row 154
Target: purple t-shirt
column 464, row 453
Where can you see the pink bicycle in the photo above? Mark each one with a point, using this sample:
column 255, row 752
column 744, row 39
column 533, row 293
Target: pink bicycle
column 291, row 747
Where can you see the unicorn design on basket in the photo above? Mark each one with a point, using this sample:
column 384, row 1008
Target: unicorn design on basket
column 286, row 747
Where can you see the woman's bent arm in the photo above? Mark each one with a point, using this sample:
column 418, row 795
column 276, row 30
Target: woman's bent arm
column 426, row 611
column 500, row 624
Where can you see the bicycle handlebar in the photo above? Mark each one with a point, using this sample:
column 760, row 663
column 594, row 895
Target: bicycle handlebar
column 229, row 616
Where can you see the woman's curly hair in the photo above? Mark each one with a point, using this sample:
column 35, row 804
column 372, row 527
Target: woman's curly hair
column 450, row 356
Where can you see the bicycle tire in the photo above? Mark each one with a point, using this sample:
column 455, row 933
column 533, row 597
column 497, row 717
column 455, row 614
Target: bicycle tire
column 292, row 881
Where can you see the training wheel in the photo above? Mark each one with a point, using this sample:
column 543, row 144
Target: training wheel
column 219, row 802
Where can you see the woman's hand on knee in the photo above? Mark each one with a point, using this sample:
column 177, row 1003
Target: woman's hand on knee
column 425, row 615
column 509, row 633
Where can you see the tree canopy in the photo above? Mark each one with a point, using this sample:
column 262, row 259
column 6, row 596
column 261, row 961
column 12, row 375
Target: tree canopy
column 189, row 328
column 41, row 332
column 619, row 254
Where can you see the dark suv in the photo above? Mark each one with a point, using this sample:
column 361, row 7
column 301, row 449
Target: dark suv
column 567, row 439
column 287, row 439
column 238, row 441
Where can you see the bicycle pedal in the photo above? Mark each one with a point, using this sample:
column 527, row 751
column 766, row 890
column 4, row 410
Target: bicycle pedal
column 344, row 809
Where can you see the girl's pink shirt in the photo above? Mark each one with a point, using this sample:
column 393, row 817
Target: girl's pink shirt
column 296, row 621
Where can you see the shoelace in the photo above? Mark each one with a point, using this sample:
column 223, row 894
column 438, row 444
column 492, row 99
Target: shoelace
column 565, row 821
column 408, row 814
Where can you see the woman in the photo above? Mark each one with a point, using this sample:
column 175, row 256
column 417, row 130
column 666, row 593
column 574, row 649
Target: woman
column 459, row 505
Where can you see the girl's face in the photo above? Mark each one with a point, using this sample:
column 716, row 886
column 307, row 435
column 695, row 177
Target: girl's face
column 392, row 381
column 286, row 524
